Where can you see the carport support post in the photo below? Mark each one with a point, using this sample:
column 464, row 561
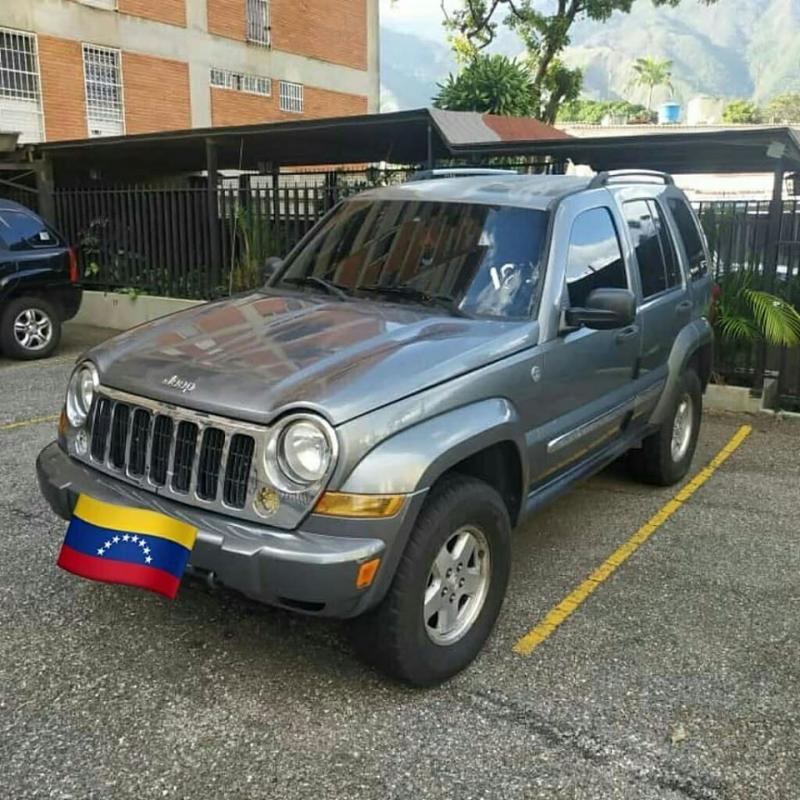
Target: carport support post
column 44, row 189
column 212, row 177
column 771, row 261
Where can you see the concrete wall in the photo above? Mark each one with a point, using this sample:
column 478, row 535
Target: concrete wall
column 330, row 45
column 120, row 312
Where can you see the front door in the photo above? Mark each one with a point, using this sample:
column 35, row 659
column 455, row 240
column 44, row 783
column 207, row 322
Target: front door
column 587, row 385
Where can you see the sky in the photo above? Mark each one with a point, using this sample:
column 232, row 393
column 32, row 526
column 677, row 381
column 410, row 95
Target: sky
column 420, row 17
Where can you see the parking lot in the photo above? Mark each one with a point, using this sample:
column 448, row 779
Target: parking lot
column 677, row 677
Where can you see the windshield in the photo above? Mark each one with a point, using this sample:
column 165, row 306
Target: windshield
column 475, row 259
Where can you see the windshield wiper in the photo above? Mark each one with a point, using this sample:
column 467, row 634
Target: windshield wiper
column 415, row 295
column 314, row 280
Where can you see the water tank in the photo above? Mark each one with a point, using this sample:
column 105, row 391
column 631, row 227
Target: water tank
column 669, row 113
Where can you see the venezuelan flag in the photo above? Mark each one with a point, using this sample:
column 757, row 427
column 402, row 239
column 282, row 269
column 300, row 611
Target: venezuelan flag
column 134, row 546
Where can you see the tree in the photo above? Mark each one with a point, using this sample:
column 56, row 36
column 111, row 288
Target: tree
column 593, row 112
column 491, row 84
column 742, row 111
column 544, row 34
column 651, row 72
column 784, row 108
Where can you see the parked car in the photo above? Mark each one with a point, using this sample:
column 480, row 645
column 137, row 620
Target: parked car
column 38, row 283
column 427, row 368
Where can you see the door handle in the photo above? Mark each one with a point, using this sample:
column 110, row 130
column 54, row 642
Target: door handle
column 626, row 333
column 683, row 307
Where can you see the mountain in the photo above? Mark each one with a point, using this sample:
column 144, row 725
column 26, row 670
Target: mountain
column 736, row 48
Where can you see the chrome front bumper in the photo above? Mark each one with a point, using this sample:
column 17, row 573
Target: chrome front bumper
column 305, row 570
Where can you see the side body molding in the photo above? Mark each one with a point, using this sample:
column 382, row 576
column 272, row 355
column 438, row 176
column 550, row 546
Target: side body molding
column 414, row 458
column 692, row 337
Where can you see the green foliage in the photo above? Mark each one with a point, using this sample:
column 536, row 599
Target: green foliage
column 742, row 111
column 784, row 108
column 650, row 73
column 544, row 31
column 257, row 240
column 490, row 84
column 593, row 112
column 744, row 312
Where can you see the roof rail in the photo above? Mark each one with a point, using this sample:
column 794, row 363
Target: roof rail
column 458, row 172
column 606, row 177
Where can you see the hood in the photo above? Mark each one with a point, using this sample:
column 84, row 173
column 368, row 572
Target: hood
column 254, row 356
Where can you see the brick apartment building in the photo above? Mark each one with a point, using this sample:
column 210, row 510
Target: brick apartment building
column 71, row 69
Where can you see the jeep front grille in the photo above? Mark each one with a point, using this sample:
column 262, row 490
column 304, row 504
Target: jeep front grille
column 199, row 459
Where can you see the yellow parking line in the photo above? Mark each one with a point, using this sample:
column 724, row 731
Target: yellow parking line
column 24, row 423
column 558, row 614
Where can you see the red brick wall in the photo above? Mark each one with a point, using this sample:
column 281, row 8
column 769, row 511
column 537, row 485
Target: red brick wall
column 156, row 92
column 330, row 30
column 227, row 18
column 171, row 11
column 229, row 107
column 63, row 93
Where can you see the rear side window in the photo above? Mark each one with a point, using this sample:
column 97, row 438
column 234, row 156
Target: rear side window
column 594, row 260
column 655, row 254
column 21, row 231
column 690, row 236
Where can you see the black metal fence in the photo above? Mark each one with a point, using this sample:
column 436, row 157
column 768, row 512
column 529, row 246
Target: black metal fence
column 190, row 241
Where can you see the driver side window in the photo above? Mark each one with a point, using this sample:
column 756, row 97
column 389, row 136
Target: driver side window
column 594, row 258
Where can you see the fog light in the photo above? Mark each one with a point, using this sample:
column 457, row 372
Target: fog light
column 82, row 443
column 266, row 502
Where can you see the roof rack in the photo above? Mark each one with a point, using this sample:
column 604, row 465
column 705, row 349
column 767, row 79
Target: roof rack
column 458, row 172
column 629, row 175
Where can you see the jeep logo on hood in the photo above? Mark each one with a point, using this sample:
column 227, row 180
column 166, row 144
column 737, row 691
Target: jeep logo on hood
column 184, row 386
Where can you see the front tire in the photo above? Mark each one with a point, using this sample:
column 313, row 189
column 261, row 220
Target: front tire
column 448, row 588
column 29, row 328
column 665, row 457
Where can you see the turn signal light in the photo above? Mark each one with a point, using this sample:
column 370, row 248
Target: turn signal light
column 340, row 504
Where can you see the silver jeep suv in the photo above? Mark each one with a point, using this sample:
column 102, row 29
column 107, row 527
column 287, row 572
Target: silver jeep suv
column 431, row 364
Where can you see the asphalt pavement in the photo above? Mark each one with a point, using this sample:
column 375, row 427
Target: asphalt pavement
column 678, row 677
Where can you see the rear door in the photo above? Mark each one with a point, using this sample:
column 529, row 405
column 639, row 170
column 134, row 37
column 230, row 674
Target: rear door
column 32, row 251
column 665, row 305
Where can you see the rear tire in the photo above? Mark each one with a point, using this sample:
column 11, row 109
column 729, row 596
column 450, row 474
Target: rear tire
column 665, row 457
column 448, row 588
column 30, row 327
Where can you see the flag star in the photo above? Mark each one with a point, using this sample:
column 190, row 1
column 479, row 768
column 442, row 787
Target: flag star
column 134, row 538
column 125, row 538
column 115, row 539
column 107, row 545
column 100, row 551
column 141, row 543
column 148, row 560
column 147, row 551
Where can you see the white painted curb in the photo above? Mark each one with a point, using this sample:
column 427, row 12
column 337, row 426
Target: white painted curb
column 121, row 312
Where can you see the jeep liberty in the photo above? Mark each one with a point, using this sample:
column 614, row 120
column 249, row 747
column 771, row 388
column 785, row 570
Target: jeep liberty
column 432, row 363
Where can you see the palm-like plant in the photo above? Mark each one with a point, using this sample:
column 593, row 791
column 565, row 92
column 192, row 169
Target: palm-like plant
column 652, row 72
column 746, row 314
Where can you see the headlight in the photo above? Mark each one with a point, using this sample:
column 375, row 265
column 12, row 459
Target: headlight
column 80, row 393
column 304, row 451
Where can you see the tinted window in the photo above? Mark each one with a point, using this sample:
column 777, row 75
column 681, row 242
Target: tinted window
column 594, row 259
column 21, row 231
column 655, row 255
column 486, row 259
column 690, row 236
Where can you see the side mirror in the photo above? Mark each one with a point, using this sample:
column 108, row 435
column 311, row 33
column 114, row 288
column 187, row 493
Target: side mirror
column 605, row 310
column 270, row 267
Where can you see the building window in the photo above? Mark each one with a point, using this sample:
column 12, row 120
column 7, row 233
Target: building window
column 20, row 93
column 240, row 82
column 258, row 21
column 291, row 97
column 103, row 79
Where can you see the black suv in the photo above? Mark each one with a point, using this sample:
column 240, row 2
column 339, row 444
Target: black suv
column 38, row 283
